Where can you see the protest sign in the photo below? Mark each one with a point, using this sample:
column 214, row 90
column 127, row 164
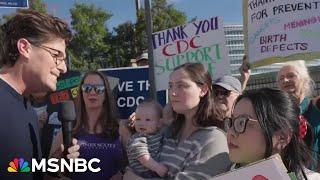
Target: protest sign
column 67, row 87
column 269, row 169
column 200, row 41
column 132, row 88
column 277, row 31
column 13, row 3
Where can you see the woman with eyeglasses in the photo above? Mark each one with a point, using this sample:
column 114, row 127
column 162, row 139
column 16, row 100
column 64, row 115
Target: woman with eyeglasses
column 265, row 122
column 294, row 79
column 96, row 128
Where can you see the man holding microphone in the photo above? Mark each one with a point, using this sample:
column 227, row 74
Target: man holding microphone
column 32, row 58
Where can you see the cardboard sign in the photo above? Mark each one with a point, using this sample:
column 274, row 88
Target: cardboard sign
column 277, row 31
column 201, row 41
column 269, row 169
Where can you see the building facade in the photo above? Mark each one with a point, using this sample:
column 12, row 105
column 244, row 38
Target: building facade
column 235, row 44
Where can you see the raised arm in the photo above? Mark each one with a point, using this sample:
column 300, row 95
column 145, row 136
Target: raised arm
column 245, row 72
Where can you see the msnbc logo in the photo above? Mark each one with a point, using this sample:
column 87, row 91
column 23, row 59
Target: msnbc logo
column 54, row 165
column 18, row 165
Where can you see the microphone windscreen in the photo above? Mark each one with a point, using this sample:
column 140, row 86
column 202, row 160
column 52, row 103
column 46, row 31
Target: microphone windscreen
column 68, row 112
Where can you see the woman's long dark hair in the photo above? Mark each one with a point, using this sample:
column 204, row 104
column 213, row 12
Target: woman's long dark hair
column 108, row 117
column 277, row 112
column 206, row 114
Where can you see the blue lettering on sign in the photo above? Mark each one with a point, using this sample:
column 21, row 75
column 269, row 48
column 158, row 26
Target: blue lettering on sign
column 263, row 28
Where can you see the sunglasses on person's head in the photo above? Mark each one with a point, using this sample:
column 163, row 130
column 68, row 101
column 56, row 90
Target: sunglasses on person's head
column 98, row 88
column 239, row 123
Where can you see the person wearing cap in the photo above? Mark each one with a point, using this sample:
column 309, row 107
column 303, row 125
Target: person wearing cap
column 226, row 90
column 143, row 60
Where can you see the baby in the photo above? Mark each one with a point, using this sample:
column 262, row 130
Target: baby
column 144, row 146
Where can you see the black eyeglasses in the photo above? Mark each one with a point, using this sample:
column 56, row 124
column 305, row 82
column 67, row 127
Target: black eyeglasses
column 98, row 88
column 57, row 60
column 239, row 123
column 221, row 92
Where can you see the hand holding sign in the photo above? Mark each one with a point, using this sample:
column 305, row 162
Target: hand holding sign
column 271, row 168
column 245, row 72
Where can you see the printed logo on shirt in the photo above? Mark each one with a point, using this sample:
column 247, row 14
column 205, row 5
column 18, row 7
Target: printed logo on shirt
column 54, row 165
column 18, row 165
column 105, row 146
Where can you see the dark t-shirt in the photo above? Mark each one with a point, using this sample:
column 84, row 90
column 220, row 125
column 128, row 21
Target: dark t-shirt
column 19, row 133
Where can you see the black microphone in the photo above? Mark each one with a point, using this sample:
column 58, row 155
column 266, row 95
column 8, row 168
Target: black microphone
column 67, row 116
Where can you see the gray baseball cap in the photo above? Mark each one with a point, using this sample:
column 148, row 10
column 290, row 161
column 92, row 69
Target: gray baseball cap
column 229, row 83
column 143, row 56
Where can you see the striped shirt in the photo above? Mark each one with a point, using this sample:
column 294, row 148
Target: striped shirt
column 202, row 155
column 142, row 144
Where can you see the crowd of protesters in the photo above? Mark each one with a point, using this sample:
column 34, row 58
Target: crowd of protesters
column 206, row 129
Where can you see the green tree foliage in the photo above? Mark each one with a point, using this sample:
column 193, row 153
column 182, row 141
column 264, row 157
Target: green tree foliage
column 38, row 5
column 164, row 16
column 89, row 47
column 123, row 44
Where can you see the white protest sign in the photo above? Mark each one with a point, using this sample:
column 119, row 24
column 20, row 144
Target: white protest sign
column 201, row 41
column 271, row 168
column 277, row 31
